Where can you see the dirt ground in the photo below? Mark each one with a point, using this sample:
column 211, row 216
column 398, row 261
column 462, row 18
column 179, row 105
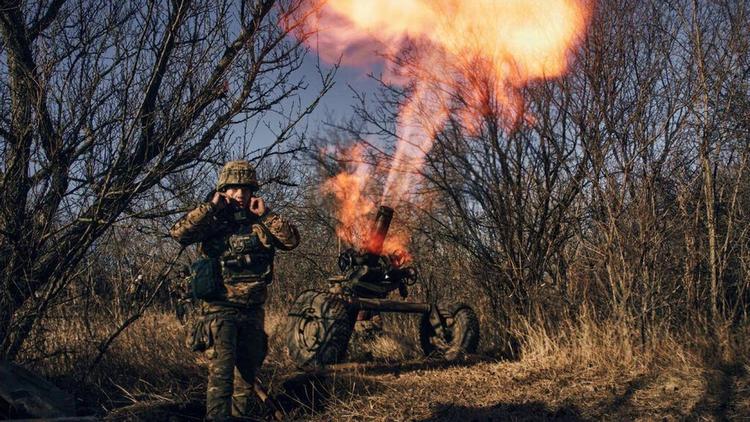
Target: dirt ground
column 502, row 391
column 483, row 389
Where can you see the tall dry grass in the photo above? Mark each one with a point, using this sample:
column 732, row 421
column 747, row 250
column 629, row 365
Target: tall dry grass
column 147, row 363
column 587, row 369
column 592, row 368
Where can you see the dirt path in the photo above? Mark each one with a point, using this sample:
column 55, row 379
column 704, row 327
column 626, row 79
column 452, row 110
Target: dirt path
column 483, row 390
column 727, row 391
column 480, row 389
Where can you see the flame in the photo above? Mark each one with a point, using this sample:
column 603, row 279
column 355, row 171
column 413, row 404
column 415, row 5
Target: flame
column 532, row 36
column 349, row 188
column 456, row 59
column 352, row 190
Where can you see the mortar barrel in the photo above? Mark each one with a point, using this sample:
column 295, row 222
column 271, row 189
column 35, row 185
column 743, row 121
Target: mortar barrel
column 379, row 229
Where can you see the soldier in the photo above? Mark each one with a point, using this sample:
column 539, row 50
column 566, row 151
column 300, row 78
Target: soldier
column 238, row 236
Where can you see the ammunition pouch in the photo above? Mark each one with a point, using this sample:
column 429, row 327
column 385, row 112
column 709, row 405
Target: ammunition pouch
column 199, row 338
column 240, row 263
column 247, row 260
column 205, row 278
column 240, row 244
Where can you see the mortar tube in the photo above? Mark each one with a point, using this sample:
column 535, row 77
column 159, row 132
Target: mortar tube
column 379, row 230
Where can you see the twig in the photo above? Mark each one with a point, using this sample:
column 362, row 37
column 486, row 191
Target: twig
column 104, row 345
column 269, row 401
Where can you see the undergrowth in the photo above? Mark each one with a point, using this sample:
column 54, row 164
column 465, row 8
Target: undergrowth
column 580, row 369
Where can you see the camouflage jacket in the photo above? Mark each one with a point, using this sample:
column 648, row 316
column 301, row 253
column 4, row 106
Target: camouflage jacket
column 243, row 244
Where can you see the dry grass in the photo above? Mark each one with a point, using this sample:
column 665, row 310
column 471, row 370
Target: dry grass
column 589, row 370
column 147, row 365
column 586, row 370
column 396, row 343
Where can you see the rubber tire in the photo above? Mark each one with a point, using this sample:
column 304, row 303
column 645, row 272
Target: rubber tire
column 318, row 329
column 461, row 334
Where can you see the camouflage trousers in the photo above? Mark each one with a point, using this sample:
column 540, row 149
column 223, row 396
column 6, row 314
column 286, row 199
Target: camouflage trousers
column 239, row 347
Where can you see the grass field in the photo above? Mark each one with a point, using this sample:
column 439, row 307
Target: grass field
column 584, row 372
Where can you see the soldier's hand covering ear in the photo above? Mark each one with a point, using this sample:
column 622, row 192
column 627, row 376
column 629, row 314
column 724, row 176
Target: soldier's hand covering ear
column 257, row 206
column 220, row 200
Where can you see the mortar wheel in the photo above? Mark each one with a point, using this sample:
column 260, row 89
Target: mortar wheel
column 318, row 329
column 449, row 331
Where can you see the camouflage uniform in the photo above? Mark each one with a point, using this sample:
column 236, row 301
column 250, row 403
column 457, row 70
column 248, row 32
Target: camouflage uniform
column 244, row 246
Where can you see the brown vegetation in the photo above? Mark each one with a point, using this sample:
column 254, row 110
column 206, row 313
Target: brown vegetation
column 604, row 247
column 587, row 371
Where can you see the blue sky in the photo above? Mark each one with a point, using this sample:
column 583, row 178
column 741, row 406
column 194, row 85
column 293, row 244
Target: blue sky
column 336, row 104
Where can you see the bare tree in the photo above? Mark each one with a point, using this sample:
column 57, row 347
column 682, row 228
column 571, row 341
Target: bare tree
column 628, row 191
column 104, row 102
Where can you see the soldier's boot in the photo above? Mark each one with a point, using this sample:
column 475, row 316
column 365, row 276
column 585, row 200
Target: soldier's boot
column 221, row 370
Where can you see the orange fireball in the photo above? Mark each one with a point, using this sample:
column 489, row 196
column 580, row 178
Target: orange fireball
column 461, row 58
column 522, row 39
column 352, row 190
column 349, row 188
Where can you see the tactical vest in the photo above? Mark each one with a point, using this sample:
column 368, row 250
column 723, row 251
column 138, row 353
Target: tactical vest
column 245, row 263
column 246, row 259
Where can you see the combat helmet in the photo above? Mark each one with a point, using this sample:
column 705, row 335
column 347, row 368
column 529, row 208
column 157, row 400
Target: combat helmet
column 237, row 173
